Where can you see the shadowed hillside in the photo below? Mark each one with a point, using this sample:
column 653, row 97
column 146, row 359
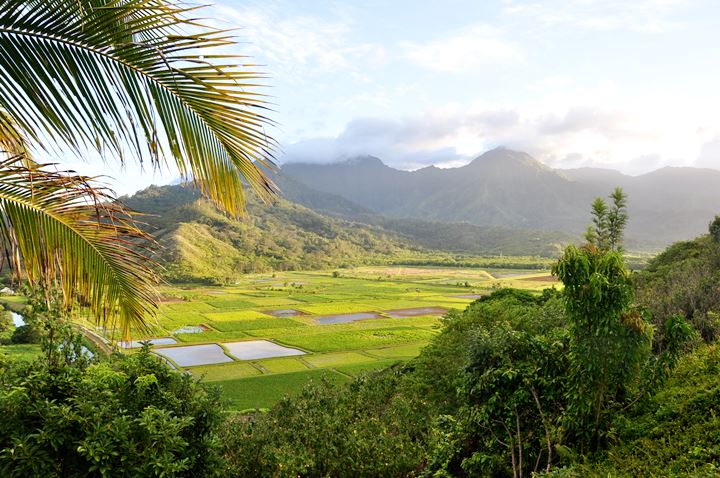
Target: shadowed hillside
column 510, row 189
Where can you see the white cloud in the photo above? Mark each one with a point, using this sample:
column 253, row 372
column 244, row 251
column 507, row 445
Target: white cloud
column 299, row 44
column 709, row 156
column 635, row 139
column 649, row 16
column 467, row 51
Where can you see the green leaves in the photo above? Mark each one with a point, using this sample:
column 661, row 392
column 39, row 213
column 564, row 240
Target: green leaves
column 609, row 223
column 609, row 341
column 126, row 416
column 135, row 77
column 58, row 231
column 128, row 76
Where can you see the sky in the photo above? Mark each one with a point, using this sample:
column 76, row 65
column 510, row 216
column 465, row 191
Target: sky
column 628, row 85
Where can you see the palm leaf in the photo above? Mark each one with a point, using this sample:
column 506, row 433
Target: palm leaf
column 126, row 76
column 58, row 230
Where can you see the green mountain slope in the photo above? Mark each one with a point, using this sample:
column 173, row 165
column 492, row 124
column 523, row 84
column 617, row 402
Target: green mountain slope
column 200, row 243
column 510, row 189
column 455, row 237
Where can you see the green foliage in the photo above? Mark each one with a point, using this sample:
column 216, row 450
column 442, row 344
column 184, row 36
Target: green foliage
column 25, row 334
column 674, row 433
column 124, row 416
column 683, row 280
column 365, row 429
column 496, row 378
column 5, row 320
column 610, row 341
column 514, row 389
column 609, row 222
column 714, row 229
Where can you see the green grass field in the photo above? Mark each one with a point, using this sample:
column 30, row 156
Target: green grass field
column 263, row 391
column 20, row 351
column 340, row 351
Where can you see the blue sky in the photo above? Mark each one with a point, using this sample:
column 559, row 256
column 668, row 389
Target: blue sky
column 630, row 85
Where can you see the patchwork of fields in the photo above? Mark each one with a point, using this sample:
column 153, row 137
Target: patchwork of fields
column 326, row 326
column 267, row 335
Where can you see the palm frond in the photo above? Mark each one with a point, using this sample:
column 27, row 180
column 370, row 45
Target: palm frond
column 12, row 141
column 58, row 230
column 137, row 76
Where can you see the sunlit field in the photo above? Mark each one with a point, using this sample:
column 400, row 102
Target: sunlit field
column 334, row 324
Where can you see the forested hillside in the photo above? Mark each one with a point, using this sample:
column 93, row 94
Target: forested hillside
column 442, row 234
column 200, row 243
column 510, row 189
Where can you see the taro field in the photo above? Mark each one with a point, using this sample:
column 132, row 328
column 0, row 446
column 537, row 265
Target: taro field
column 268, row 335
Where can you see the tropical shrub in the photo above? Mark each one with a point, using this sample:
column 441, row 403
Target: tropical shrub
column 367, row 428
column 125, row 416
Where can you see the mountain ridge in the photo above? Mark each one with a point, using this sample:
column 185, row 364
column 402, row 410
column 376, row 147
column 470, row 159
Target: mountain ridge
column 507, row 188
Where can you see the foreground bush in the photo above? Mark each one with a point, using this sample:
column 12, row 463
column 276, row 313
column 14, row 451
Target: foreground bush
column 366, row 428
column 122, row 417
column 676, row 433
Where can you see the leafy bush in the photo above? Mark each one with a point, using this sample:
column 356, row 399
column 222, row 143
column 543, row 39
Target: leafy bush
column 675, row 433
column 124, row 416
column 367, row 428
column 683, row 280
column 25, row 334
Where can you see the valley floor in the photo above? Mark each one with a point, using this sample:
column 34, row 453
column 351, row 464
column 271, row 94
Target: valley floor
column 269, row 334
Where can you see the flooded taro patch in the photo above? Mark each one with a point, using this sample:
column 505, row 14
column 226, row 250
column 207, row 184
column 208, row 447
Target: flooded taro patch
column 345, row 318
column 191, row 329
column 415, row 311
column 467, row 296
column 259, row 349
column 190, row 355
column 138, row 343
column 18, row 320
column 282, row 313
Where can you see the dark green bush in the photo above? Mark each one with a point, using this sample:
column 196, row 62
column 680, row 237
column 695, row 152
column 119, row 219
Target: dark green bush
column 25, row 334
column 122, row 417
column 368, row 428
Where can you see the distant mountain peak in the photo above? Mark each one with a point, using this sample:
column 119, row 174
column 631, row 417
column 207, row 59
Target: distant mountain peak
column 364, row 159
column 502, row 156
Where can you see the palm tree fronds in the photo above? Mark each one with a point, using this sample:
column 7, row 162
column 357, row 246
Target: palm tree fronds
column 138, row 76
column 12, row 141
column 58, row 230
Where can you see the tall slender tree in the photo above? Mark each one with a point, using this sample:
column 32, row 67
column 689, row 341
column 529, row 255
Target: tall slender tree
column 609, row 338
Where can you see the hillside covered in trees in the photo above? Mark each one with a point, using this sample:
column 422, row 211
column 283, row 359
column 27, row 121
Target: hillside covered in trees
column 510, row 189
column 200, row 243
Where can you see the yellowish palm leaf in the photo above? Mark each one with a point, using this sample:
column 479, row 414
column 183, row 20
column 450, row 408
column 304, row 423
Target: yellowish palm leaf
column 140, row 77
column 59, row 231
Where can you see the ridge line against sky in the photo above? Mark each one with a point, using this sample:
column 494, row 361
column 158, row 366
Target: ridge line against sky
column 603, row 83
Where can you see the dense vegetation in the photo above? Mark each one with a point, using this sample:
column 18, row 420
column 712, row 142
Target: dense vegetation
column 202, row 244
column 599, row 379
column 516, row 384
